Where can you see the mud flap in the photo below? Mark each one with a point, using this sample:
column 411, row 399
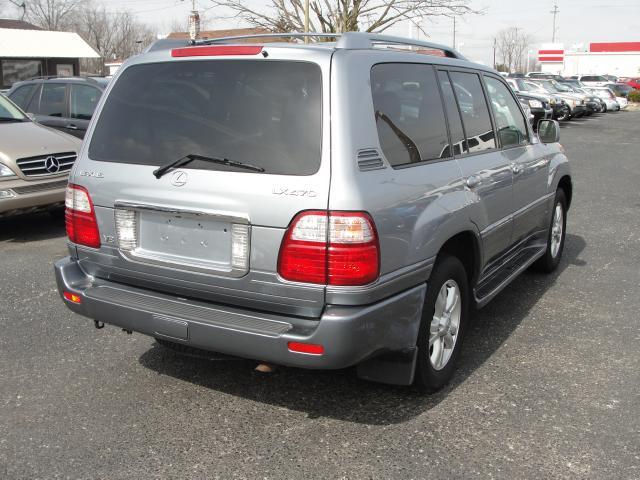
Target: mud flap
column 395, row 368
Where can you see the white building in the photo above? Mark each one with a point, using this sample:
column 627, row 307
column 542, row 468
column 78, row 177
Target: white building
column 609, row 58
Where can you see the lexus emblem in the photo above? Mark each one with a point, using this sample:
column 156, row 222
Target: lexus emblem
column 52, row 165
column 179, row 178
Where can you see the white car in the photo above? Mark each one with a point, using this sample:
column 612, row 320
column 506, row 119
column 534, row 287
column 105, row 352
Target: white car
column 623, row 102
column 607, row 96
column 592, row 80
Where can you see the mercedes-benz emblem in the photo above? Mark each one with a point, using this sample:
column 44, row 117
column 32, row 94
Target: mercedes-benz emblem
column 52, row 165
column 179, row 178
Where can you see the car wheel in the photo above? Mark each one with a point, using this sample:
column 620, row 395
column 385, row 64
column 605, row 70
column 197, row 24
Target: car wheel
column 555, row 238
column 604, row 108
column 565, row 115
column 444, row 320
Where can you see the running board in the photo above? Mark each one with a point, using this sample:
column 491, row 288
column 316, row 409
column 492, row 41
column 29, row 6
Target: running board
column 491, row 286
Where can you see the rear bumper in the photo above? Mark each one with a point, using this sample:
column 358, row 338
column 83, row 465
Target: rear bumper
column 348, row 334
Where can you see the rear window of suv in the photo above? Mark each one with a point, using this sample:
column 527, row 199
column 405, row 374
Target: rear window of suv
column 262, row 113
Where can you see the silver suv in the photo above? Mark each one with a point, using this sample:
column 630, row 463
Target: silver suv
column 316, row 205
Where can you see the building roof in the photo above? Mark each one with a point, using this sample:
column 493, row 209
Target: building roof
column 209, row 34
column 16, row 43
column 11, row 23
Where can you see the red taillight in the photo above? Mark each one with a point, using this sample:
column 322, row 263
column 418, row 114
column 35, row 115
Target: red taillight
column 80, row 217
column 310, row 348
column 334, row 248
column 72, row 297
column 217, row 50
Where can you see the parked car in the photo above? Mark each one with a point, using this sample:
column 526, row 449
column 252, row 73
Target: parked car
column 538, row 108
column 607, row 96
column 209, row 210
column 560, row 110
column 593, row 103
column 592, row 80
column 620, row 89
column 64, row 103
column 632, row 82
column 611, row 78
column 34, row 163
column 576, row 105
column 544, row 75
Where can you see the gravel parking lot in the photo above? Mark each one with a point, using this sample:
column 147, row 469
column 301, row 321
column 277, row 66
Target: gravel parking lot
column 549, row 385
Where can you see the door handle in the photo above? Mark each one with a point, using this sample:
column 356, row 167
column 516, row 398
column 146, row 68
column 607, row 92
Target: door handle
column 516, row 169
column 473, row 181
column 71, row 126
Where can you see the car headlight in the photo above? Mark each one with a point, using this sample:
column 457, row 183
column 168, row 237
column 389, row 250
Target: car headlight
column 535, row 103
column 6, row 171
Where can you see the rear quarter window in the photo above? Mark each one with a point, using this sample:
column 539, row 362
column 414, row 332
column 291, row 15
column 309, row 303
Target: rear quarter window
column 409, row 114
column 265, row 113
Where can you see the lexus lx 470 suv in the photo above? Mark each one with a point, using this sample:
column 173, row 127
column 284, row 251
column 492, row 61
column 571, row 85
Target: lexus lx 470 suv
column 318, row 205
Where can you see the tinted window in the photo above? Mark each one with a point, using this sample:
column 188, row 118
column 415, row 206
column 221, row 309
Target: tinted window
column 409, row 113
column 475, row 114
column 52, row 100
column 21, row 95
column 510, row 123
column 83, row 101
column 593, row 78
column 453, row 114
column 267, row 114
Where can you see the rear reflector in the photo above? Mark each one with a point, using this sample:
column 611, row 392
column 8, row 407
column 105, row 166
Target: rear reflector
column 217, row 50
column 72, row 297
column 309, row 348
column 80, row 217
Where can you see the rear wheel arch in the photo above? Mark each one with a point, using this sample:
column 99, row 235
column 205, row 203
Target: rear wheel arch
column 465, row 246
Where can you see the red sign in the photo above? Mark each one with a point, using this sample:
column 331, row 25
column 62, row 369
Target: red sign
column 615, row 47
column 551, row 55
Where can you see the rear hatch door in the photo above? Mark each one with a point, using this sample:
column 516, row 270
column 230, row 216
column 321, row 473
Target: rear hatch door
column 209, row 229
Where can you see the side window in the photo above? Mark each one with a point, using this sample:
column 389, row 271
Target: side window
column 474, row 110
column 52, row 100
column 83, row 101
column 22, row 95
column 408, row 113
column 511, row 125
column 453, row 114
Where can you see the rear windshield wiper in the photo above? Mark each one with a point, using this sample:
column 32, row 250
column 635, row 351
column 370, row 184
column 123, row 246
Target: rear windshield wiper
column 159, row 172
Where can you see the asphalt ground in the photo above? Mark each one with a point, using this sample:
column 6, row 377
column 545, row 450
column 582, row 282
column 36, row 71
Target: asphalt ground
column 548, row 385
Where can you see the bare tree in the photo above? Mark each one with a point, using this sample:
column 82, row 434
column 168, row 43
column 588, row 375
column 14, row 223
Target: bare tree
column 52, row 14
column 113, row 35
column 512, row 45
column 333, row 16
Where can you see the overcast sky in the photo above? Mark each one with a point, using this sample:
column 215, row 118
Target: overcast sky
column 579, row 21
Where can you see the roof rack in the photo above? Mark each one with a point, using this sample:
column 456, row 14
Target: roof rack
column 345, row 41
column 91, row 78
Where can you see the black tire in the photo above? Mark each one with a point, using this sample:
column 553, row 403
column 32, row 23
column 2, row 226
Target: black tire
column 604, row 108
column 566, row 115
column 427, row 378
column 549, row 262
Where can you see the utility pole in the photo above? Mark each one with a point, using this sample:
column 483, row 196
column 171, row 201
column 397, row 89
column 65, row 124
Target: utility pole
column 495, row 44
column 555, row 12
column 306, row 20
column 454, row 32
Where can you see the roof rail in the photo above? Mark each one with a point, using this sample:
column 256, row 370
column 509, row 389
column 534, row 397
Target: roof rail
column 364, row 40
column 91, row 78
column 207, row 41
column 345, row 41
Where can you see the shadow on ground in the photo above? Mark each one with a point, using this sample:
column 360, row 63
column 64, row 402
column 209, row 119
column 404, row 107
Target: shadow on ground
column 32, row 227
column 340, row 394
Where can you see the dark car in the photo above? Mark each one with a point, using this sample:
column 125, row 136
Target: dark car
column 560, row 109
column 620, row 89
column 540, row 108
column 64, row 103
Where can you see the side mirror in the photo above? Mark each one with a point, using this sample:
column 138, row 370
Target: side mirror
column 549, row 131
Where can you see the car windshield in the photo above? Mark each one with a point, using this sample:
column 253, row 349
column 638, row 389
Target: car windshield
column 267, row 114
column 550, row 87
column 8, row 111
